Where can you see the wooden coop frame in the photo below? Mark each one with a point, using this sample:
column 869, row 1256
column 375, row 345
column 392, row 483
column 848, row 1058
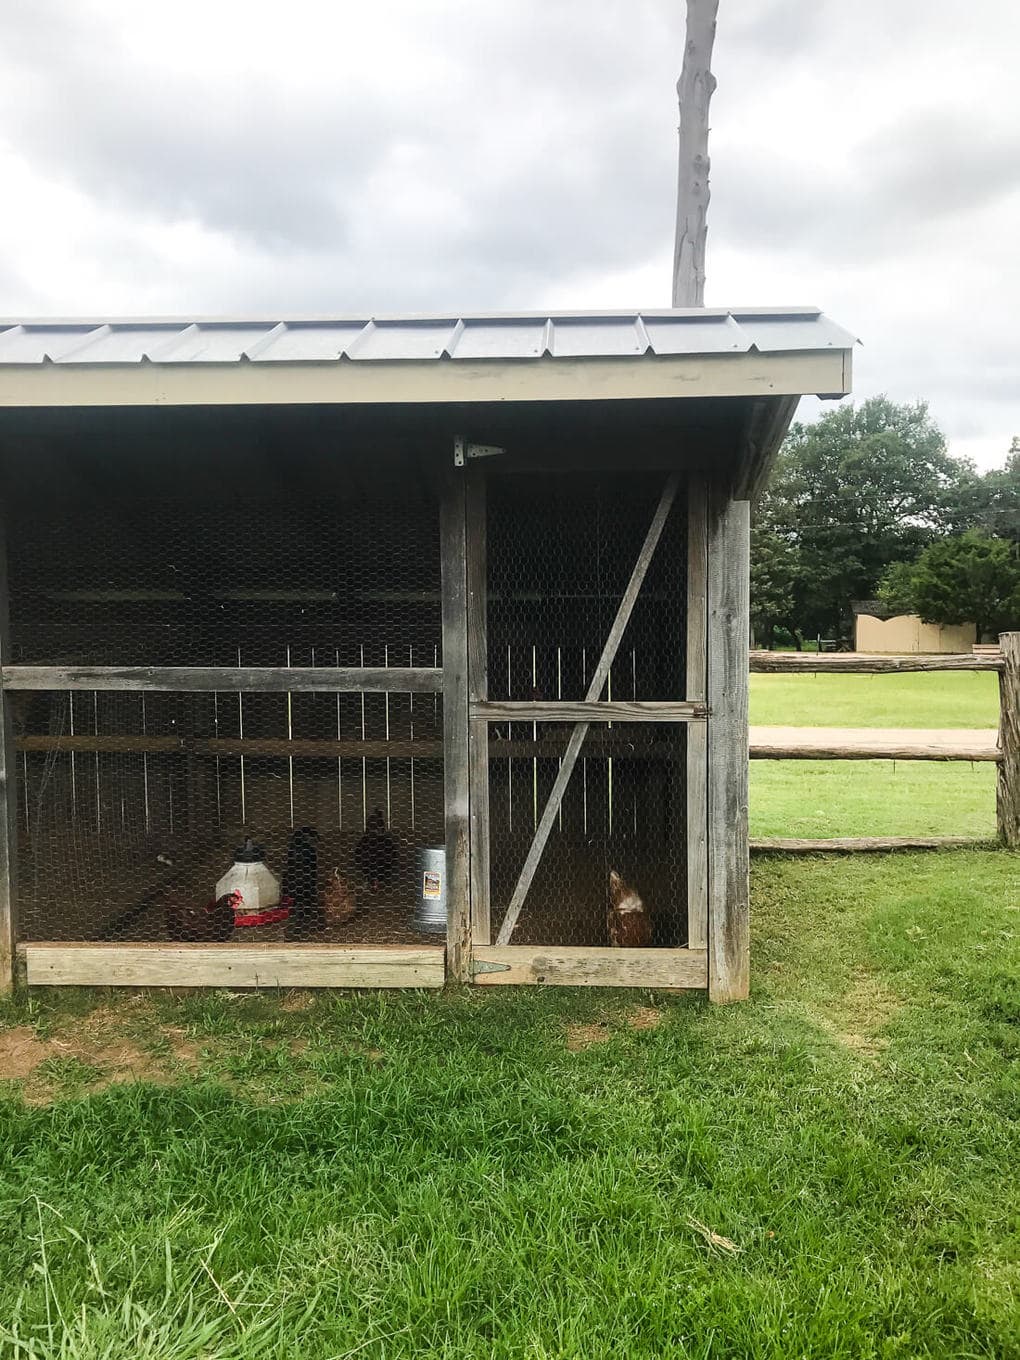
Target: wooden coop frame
column 655, row 381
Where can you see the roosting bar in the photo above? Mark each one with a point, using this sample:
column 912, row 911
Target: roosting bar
column 315, row 635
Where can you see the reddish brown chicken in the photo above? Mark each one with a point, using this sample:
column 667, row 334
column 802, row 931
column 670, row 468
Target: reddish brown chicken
column 339, row 900
column 628, row 922
column 187, row 923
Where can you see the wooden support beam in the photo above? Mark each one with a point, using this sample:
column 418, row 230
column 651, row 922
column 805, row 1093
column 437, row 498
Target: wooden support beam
column 768, row 421
column 1007, row 795
column 580, row 732
column 839, row 845
column 612, row 746
column 696, row 814
column 308, row 749
column 232, row 965
column 855, row 663
column 8, row 798
column 585, row 966
column 565, row 711
column 729, row 545
column 456, row 786
column 228, row 679
column 478, row 693
column 91, row 743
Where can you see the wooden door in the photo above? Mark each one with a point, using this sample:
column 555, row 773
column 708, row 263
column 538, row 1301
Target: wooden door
column 587, row 717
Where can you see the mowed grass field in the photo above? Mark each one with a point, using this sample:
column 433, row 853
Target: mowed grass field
column 828, row 1170
column 862, row 798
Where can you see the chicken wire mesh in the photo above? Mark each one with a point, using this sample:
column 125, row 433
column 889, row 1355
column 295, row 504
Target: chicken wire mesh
column 561, row 551
column 131, row 805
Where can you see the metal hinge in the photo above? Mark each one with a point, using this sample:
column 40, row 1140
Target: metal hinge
column 464, row 450
column 484, row 966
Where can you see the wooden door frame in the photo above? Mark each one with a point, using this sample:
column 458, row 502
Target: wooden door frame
column 494, row 964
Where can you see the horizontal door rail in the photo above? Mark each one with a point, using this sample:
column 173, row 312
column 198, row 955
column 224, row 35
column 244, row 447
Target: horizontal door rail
column 228, row 679
column 587, row 966
column 623, row 710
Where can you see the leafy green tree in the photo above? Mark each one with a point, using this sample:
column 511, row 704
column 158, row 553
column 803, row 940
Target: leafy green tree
column 774, row 568
column 863, row 487
column 896, row 589
column 999, row 491
column 966, row 578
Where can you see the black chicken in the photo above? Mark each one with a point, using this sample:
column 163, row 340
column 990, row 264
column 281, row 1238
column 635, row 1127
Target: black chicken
column 376, row 853
column 300, row 889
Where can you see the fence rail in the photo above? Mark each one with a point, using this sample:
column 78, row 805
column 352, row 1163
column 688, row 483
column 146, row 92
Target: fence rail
column 1006, row 753
column 858, row 663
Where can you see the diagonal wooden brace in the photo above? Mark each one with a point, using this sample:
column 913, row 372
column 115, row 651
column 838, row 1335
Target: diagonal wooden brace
column 580, row 732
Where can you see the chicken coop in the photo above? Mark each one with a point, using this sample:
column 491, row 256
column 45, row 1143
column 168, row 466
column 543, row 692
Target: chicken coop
column 376, row 652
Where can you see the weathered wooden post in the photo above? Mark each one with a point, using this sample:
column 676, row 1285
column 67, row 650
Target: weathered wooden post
column 729, row 549
column 453, row 550
column 1007, row 798
column 694, row 92
column 8, row 799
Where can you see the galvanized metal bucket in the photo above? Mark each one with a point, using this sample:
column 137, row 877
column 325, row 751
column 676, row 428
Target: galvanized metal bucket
column 430, row 901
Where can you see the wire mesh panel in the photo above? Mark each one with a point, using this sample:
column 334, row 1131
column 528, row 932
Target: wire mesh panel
column 127, row 827
column 131, row 805
column 562, row 551
column 345, row 575
column 622, row 812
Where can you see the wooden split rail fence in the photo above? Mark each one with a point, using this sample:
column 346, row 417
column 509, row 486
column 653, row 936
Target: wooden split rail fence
column 1006, row 662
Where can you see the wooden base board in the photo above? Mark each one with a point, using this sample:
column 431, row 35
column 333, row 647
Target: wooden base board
column 232, row 965
column 581, row 966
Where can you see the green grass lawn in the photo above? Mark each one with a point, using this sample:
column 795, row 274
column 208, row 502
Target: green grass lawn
column 873, row 798
column 817, row 798
column 936, row 699
column 826, row 1171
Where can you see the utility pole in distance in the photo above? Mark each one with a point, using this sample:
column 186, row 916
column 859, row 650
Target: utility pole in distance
column 694, row 92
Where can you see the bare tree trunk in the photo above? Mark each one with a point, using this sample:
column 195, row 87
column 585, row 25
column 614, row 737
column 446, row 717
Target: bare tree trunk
column 694, row 91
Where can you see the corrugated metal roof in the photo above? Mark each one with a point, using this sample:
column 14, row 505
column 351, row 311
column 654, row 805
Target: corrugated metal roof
column 503, row 336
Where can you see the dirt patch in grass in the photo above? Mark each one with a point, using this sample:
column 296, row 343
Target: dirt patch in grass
column 123, row 1061
column 580, row 1037
column 859, row 1016
column 188, row 1054
column 297, row 1001
column 46, row 1064
column 21, row 1052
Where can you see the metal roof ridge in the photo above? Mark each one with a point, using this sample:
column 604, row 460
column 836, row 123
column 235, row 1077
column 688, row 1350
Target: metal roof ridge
column 273, row 319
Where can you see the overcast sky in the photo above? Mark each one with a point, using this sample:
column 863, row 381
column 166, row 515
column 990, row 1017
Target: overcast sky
column 241, row 156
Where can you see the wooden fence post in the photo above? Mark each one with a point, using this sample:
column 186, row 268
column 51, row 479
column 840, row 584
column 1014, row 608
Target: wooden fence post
column 1007, row 798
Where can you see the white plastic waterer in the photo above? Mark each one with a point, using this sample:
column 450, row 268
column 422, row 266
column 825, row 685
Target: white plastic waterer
column 256, row 886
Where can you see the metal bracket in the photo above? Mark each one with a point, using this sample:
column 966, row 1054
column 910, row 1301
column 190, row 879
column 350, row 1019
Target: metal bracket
column 463, row 451
column 484, row 966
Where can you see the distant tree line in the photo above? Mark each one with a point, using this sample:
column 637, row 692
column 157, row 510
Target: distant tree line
column 868, row 503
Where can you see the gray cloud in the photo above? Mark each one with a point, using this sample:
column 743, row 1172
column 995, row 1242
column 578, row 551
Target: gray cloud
column 406, row 156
